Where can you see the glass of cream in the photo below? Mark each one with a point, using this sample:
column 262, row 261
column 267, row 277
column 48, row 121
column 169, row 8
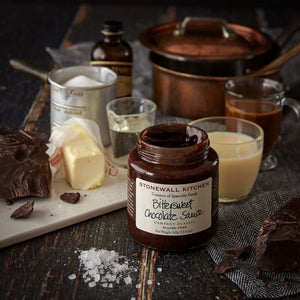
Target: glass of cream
column 239, row 145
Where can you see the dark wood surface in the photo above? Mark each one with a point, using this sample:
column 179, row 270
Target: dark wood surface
column 39, row 268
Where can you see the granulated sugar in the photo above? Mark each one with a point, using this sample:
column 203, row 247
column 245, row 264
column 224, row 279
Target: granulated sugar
column 81, row 81
column 104, row 267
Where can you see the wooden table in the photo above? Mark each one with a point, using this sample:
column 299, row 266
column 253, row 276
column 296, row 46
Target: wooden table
column 39, row 268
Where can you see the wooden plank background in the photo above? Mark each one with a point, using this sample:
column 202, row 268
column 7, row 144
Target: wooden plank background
column 39, row 268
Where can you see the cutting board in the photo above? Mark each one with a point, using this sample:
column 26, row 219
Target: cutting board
column 52, row 213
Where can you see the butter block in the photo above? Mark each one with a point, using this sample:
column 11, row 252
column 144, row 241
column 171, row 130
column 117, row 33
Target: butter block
column 84, row 161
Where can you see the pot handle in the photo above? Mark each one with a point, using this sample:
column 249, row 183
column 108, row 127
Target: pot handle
column 278, row 62
column 226, row 31
column 287, row 32
column 28, row 68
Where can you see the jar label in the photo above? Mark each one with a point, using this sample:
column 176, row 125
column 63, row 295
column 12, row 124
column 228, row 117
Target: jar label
column 173, row 209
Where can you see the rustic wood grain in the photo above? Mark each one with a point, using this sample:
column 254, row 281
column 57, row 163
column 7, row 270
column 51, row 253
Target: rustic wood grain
column 39, row 268
column 147, row 274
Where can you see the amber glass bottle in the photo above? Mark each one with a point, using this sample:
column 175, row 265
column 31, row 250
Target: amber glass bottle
column 115, row 53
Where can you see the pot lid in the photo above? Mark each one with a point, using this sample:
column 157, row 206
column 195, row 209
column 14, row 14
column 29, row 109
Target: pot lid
column 199, row 38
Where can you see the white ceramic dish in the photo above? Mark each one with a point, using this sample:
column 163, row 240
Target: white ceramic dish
column 52, row 213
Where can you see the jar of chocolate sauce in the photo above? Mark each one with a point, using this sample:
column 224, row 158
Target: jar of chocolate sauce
column 172, row 188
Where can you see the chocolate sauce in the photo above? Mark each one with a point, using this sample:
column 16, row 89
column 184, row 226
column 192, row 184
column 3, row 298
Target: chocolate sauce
column 172, row 137
column 172, row 188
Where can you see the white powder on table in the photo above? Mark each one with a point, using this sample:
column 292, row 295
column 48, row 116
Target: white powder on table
column 82, row 81
column 105, row 267
column 128, row 280
column 72, row 276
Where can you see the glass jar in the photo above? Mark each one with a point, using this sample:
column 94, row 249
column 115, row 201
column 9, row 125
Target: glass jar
column 172, row 188
column 115, row 53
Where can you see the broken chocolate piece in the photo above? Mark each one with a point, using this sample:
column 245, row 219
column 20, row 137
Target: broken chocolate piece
column 278, row 240
column 25, row 169
column 225, row 265
column 9, row 202
column 241, row 253
column 23, row 211
column 70, row 197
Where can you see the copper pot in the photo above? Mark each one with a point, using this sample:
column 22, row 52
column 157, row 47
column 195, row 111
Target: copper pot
column 190, row 96
column 192, row 60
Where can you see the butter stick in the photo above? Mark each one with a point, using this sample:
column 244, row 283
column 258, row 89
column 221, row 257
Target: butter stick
column 84, row 161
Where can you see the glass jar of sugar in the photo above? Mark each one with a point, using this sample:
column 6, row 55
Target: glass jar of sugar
column 172, row 188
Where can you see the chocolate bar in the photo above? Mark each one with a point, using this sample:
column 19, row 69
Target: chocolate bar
column 278, row 240
column 24, row 164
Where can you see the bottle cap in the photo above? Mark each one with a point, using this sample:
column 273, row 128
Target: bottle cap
column 112, row 27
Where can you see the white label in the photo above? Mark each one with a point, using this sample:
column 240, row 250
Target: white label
column 173, row 209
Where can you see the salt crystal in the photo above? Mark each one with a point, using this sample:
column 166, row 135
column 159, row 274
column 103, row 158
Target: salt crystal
column 92, row 284
column 128, row 280
column 159, row 269
column 72, row 276
column 104, row 266
column 138, row 286
column 149, row 282
column 82, row 81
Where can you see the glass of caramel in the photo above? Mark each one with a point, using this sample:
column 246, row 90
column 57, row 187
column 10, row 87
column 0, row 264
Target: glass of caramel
column 260, row 100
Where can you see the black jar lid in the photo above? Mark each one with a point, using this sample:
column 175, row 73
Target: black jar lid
column 112, row 27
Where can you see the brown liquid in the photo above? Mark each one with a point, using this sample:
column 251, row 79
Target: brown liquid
column 264, row 113
column 114, row 53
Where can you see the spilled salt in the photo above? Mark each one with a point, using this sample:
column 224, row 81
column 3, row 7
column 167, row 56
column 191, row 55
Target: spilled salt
column 92, row 284
column 82, row 81
column 128, row 280
column 72, row 276
column 105, row 267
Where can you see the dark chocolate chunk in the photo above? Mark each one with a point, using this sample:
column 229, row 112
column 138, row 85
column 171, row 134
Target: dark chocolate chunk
column 70, row 197
column 23, row 211
column 258, row 274
column 25, row 169
column 278, row 240
column 240, row 252
column 225, row 265
column 9, row 202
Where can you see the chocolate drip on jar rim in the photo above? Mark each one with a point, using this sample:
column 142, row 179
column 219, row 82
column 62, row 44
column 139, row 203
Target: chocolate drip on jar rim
column 173, row 143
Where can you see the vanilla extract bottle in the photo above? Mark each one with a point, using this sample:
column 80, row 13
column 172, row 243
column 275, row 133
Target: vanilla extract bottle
column 115, row 53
